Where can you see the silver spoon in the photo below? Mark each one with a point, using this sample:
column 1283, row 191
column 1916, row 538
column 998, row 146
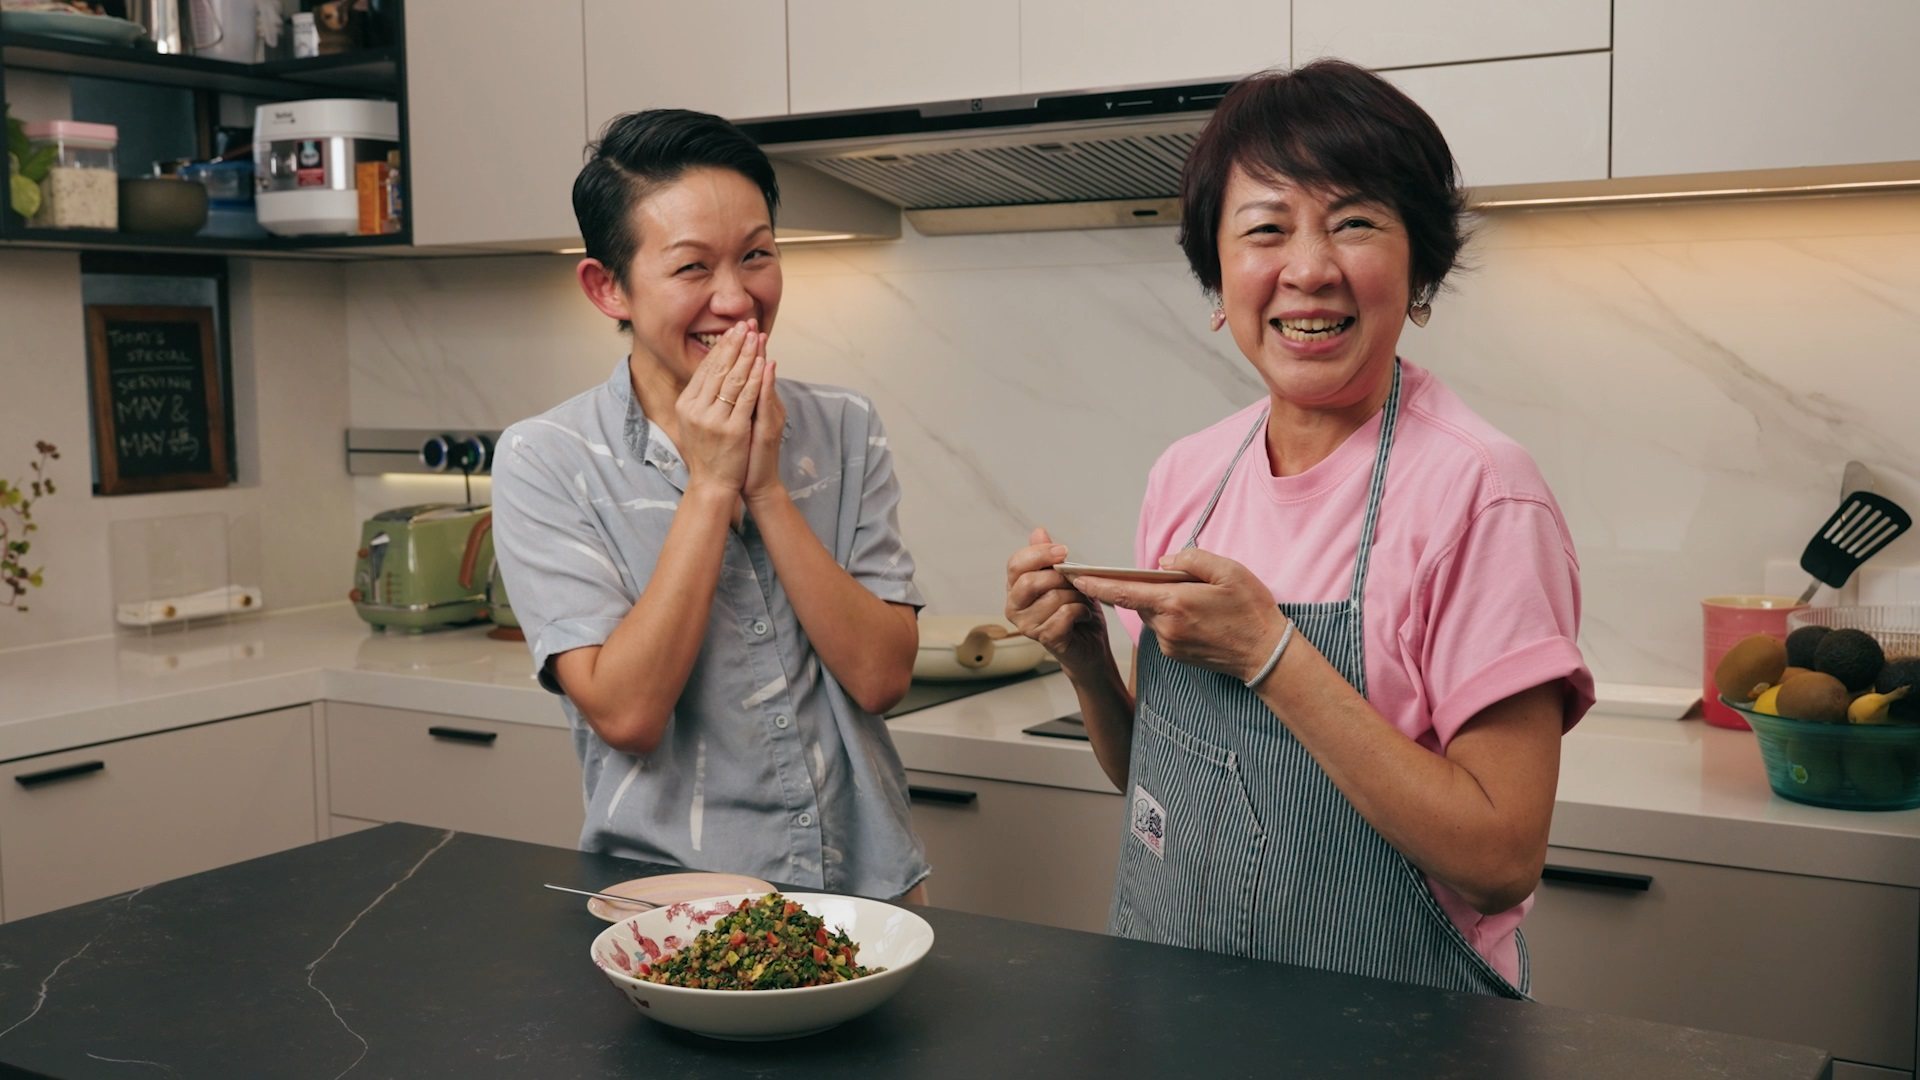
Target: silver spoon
column 628, row 901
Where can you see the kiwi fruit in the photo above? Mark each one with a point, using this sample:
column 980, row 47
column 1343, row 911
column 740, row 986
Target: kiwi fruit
column 1802, row 643
column 1897, row 673
column 1850, row 655
column 1816, row 697
column 1752, row 660
column 1787, row 675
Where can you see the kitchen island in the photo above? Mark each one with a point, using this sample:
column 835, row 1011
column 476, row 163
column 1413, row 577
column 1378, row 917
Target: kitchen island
column 413, row 952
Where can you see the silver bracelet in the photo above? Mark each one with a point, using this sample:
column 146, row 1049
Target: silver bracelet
column 1274, row 660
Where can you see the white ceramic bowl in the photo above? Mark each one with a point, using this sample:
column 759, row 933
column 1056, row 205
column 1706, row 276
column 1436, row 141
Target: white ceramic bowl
column 888, row 936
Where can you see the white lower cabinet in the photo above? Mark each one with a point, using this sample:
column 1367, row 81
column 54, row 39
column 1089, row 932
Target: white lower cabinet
column 518, row 781
column 82, row 824
column 1018, row 851
column 1797, row 959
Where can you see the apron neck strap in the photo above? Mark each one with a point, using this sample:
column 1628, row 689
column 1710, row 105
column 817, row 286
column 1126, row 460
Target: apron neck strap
column 1388, row 415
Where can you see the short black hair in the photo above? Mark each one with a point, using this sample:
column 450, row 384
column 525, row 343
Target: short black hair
column 1330, row 126
column 639, row 152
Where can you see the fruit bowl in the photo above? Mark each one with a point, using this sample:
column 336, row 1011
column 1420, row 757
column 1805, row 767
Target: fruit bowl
column 1844, row 766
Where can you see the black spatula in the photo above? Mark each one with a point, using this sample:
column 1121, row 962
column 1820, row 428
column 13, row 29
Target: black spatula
column 1863, row 525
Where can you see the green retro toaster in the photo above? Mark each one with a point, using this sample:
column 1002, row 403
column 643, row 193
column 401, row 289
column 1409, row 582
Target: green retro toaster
column 426, row 566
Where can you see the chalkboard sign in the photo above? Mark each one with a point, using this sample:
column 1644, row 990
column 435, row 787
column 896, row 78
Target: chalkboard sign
column 159, row 421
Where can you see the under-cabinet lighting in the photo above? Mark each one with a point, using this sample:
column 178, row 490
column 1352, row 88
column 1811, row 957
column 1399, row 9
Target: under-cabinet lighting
column 816, row 238
column 570, row 251
column 1714, row 193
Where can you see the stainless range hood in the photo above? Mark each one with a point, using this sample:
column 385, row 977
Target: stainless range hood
column 1070, row 161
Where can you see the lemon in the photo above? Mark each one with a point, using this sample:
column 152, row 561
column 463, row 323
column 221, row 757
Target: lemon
column 25, row 194
column 1768, row 702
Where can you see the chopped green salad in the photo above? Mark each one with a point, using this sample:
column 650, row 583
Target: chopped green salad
column 769, row 944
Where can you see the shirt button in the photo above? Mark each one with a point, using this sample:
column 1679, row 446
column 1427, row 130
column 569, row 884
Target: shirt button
column 759, row 626
column 804, row 820
column 781, row 722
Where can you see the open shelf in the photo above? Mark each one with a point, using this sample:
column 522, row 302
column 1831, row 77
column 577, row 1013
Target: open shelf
column 269, row 247
column 359, row 73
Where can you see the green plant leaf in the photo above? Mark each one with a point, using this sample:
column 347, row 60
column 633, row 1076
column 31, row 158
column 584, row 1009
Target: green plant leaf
column 34, row 579
column 37, row 164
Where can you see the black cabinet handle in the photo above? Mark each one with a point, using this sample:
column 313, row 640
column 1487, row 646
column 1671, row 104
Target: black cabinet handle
column 1605, row 879
column 950, row 796
column 65, row 772
column 484, row 738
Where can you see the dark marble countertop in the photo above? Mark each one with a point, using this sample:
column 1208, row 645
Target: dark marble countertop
column 411, row 952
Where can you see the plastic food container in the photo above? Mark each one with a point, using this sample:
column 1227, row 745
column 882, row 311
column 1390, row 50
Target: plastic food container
column 82, row 186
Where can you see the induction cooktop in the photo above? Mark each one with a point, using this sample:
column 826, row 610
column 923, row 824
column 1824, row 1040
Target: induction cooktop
column 924, row 694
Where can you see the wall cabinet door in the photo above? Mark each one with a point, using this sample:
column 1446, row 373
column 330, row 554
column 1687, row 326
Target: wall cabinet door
column 727, row 57
column 496, row 118
column 858, row 54
column 1407, row 33
column 452, row 772
column 1777, row 956
column 82, row 824
column 1019, row 851
column 1518, row 121
column 1074, row 45
column 1724, row 85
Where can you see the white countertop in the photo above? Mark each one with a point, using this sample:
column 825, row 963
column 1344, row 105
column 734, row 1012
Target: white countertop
column 1630, row 784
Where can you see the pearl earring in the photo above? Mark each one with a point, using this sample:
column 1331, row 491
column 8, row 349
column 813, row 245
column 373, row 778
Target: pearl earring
column 1219, row 319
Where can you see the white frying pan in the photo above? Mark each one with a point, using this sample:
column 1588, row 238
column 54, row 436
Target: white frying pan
column 956, row 647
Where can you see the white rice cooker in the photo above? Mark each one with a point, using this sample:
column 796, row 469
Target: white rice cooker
column 304, row 159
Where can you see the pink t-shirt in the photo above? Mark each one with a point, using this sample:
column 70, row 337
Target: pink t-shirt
column 1473, row 593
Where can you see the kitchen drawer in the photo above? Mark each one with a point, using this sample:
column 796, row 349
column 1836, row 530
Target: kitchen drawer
column 1807, row 960
column 1019, row 851
column 513, row 780
column 83, row 824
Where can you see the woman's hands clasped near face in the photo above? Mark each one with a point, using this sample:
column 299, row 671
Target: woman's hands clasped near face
column 716, row 411
column 1224, row 620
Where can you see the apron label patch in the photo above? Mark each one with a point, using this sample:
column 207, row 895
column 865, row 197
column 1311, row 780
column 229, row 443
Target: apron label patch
column 1149, row 822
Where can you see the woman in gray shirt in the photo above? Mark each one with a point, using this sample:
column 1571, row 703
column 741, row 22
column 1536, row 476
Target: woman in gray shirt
column 706, row 559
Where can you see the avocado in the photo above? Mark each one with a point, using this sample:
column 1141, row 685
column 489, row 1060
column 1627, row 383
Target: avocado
column 1802, row 643
column 1850, row 655
column 1896, row 674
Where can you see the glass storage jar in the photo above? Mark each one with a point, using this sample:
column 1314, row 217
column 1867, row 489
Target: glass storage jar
column 82, row 186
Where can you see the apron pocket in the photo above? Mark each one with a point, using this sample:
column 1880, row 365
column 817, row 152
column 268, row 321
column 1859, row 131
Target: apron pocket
column 1190, row 861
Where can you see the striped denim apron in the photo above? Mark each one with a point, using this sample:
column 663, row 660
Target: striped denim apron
column 1237, row 840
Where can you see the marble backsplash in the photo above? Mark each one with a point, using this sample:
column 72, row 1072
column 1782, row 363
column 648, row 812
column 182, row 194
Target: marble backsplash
column 1691, row 379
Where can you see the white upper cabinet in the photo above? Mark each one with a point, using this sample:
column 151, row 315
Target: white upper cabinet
column 727, row 57
column 1409, row 33
column 1076, row 45
column 1518, row 121
column 1726, row 85
column 857, row 54
column 496, row 115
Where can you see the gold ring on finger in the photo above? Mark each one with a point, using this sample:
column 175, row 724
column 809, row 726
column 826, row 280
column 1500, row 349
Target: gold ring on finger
column 726, row 399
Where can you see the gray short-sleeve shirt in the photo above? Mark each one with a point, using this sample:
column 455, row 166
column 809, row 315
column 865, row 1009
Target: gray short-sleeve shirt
column 768, row 767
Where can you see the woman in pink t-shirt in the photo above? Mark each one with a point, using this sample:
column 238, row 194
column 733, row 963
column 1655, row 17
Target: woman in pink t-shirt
column 1358, row 775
